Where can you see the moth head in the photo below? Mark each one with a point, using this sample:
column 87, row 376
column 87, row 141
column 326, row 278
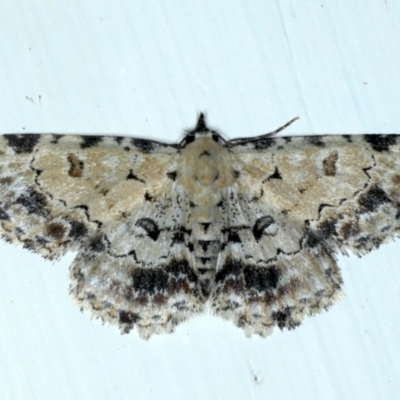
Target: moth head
column 201, row 130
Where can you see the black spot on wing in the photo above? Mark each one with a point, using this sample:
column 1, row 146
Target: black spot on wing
column 3, row 215
column 311, row 240
column 231, row 268
column 167, row 278
column 126, row 317
column 348, row 138
column 283, row 319
column 90, row 141
column 145, row 145
column 180, row 269
column 261, row 225
column 131, row 175
column 315, row 141
column 265, row 143
column 149, row 280
column 381, row 142
column 373, row 198
column 236, row 174
column 172, row 175
column 261, row 278
column 327, row 229
column 77, row 229
column 148, row 197
column 29, row 245
column 33, row 201
column 56, row 138
column 150, row 226
column 22, row 143
column 97, row 245
column 275, row 175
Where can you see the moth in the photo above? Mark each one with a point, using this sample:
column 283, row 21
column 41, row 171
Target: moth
column 249, row 227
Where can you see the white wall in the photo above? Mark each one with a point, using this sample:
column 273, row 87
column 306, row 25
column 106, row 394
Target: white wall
column 146, row 68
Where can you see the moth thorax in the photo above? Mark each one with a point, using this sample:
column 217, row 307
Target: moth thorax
column 204, row 170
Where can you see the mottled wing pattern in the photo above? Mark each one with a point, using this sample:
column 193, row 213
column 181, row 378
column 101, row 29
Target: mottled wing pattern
column 139, row 272
column 64, row 189
column 251, row 225
column 111, row 199
column 295, row 203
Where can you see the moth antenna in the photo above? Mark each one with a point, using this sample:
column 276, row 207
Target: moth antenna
column 265, row 135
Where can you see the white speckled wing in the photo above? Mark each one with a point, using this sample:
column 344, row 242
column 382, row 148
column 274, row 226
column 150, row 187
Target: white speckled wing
column 250, row 225
column 295, row 203
column 344, row 188
column 57, row 191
